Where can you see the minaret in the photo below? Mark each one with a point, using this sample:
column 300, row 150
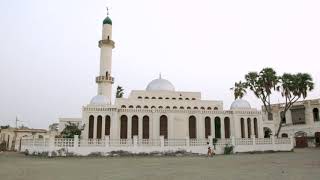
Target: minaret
column 105, row 79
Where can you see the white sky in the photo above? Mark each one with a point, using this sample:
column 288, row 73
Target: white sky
column 49, row 55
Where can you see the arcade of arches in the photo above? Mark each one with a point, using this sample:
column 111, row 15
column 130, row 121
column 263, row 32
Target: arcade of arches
column 221, row 127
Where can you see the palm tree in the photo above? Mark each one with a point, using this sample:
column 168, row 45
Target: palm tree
column 239, row 90
column 119, row 93
column 293, row 87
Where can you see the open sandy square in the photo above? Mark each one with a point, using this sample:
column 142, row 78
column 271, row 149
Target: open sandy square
column 301, row 164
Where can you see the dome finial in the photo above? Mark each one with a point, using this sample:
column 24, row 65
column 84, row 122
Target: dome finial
column 107, row 11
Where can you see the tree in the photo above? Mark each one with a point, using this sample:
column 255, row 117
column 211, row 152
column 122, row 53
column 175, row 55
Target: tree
column 239, row 90
column 5, row 127
column 293, row 87
column 54, row 127
column 119, row 93
column 264, row 83
column 71, row 129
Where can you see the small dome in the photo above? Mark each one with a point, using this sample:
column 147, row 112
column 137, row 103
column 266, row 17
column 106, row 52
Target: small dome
column 240, row 104
column 107, row 20
column 160, row 85
column 99, row 100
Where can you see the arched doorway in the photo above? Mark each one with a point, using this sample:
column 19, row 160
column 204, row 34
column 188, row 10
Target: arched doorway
column 267, row 132
column 227, row 127
column 315, row 114
column 134, row 126
column 145, row 128
column 123, row 127
column 164, row 126
column 249, row 127
column 217, row 127
column 192, row 127
column 301, row 139
column 255, row 126
column 207, row 126
column 90, row 129
column 107, row 126
column 99, row 127
column 243, row 135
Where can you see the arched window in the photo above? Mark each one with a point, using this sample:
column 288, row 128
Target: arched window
column 146, row 107
column 188, row 107
column 145, row 127
column 215, row 108
column 174, row 107
column 227, row 127
column 107, row 74
column 187, row 98
column 209, row 108
column 193, row 99
column 138, row 107
column 159, row 97
column 160, row 107
column 146, row 97
column 130, row 106
column 167, row 98
column 168, row 107
column 99, row 127
column 181, row 107
column 40, row 136
column 249, row 127
column 107, row 126
column 173, row 98
column 283, row 117
column 284, row 135
column 217, row 127
column 267, row 132
column 153, row 98
column 195, row 107
column 91, row 124
column 164, row 126
column 202, row 108
column 153, row 107
column 192, row 127
column 255, row 125
column 270, row 116
column 180, row 99
column 139, row 97
column 243, row 135
column 123, row 127
column 207, row 125
column 315, row 114
column 123, row 106
column 134, row 126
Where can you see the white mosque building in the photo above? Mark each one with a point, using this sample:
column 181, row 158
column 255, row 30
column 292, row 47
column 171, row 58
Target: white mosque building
column 161, row 110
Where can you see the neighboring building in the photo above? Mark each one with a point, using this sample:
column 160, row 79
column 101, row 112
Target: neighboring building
column 301, row 121
column 64, row 121
column 12, row 136
column 160, row 110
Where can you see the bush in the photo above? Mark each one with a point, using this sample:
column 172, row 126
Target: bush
column 3, row 146
column 228, row 149
column 26, row 152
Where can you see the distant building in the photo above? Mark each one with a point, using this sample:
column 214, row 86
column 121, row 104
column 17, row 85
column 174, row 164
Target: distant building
column 12, row 136
column 301, row 121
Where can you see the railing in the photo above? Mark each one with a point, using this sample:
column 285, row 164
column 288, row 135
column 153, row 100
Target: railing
column 244, row 141
column 63, row 142
column 199, row 142
column 264, row 141
column 175, row 142
column 149, row 142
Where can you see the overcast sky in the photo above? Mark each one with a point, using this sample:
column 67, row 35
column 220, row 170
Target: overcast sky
column 49, row 55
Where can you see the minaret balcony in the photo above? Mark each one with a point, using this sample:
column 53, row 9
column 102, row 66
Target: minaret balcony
column 102, row 79
column 106, row 42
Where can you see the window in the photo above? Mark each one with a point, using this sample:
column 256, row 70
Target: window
column 202, row 108
column 146, row 97
column 138, row 107
column 193, row 98
column 192, row 127
column 188, row 107
column 139, row 97
column 215, row 108
column 173, row 98
column 180, row 99
column 168, row 107
column 146, row 107
column 209, row 108
column 316, row 114
column 282, row 117
column 123, row 106
column 187, row 98
column 153, row 98
column 153, row 107
column 160, row 107
column 167, row 98
column 159, row 97
column 181, row 107
column 130, row 106
column 195, row 107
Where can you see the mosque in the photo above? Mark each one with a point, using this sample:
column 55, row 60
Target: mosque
column 161, row 110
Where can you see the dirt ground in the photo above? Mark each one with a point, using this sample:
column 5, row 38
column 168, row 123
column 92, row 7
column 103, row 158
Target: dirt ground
column 301, row 164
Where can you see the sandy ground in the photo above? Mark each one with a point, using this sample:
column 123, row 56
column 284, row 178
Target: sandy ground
column 301, row 164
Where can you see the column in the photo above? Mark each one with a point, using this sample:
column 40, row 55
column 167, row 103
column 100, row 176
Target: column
column 129, row 126
column 222, row 129
column 213, row 135
column 140, row 120
column 95, row 127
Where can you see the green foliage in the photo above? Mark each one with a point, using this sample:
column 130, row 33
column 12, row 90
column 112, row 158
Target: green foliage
column 4, row 127
column 228, row 149
column 239, row 90
column 3, row 146
column 119, row 93
column 70, row 130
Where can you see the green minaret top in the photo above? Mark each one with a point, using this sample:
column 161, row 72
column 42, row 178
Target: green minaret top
column 107, row 20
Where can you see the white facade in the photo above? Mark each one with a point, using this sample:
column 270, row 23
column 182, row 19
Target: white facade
column 161, row 110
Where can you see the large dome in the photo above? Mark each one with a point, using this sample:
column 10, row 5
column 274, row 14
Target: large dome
column 99, row 100
column 160, row 85
column 240, row 104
